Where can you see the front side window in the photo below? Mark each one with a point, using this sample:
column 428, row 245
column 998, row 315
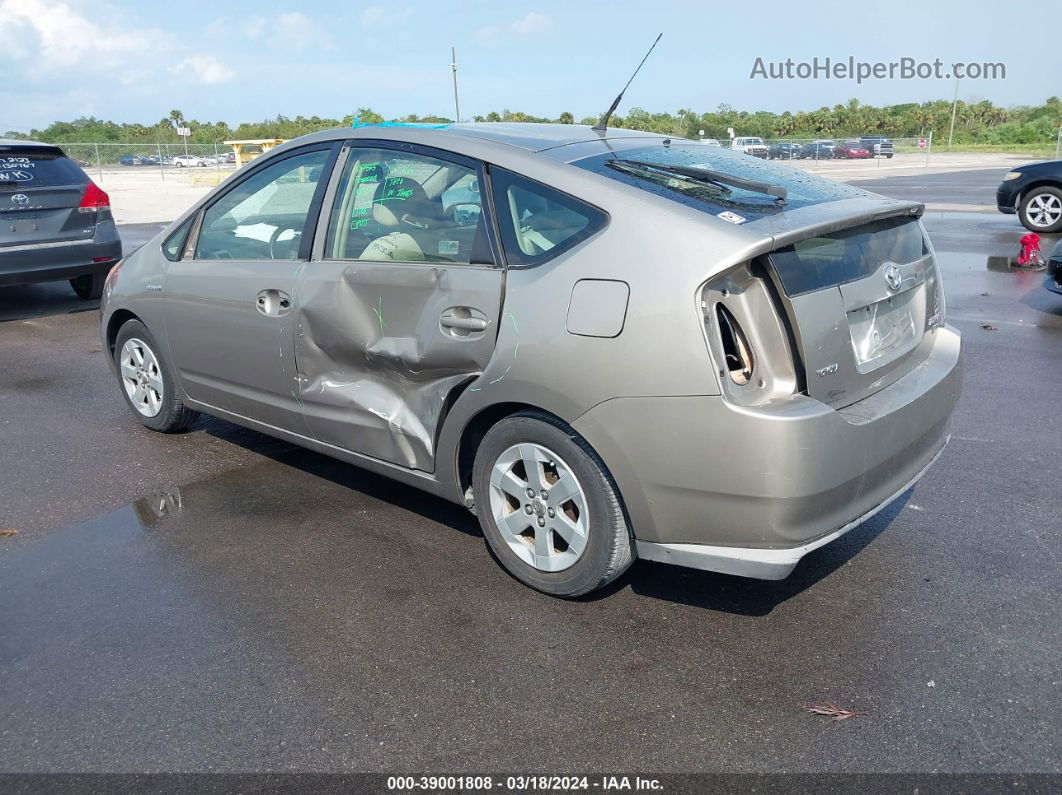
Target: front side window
column 263, row 217
column 537, row 222
column 403, row 206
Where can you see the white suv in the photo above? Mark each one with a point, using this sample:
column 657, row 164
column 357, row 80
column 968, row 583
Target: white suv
column 750, row 146
column 188, row 161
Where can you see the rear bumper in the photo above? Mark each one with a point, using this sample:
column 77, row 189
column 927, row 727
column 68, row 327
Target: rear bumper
column 757, row 489
column 56, row 261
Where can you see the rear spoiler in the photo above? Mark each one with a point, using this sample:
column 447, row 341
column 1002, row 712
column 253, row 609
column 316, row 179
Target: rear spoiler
column 792, row 226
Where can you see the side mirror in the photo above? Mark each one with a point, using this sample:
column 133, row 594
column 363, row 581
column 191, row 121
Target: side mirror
column 466, row 214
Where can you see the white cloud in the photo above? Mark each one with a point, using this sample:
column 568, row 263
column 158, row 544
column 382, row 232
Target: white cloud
column 296, row 31
column 383, row 16
column 50, row 39
column 528, row 25
column 253, row 27
column 53, row 36
column 203, row 69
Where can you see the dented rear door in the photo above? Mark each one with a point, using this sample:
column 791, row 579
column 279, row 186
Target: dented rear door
column 383, row 346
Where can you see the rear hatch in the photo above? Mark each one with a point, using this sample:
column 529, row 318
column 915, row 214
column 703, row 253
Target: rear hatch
column 860, row 302
column 40, row 192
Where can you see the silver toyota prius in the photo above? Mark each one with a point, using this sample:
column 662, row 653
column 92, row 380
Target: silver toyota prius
column 609, row 345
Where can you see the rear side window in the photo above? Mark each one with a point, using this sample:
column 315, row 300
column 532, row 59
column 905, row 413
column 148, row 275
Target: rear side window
column 537, row 222
column 38, row 167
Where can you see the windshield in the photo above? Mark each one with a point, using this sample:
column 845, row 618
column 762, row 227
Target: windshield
column 802, row 189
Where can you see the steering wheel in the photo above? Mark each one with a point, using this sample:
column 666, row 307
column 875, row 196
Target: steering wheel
column 275, row 238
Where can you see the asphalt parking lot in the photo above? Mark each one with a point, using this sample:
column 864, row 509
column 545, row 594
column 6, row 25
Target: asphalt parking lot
column 220, row 600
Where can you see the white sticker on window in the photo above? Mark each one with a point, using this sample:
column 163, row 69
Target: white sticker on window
column 449, row 248
column 733, row 218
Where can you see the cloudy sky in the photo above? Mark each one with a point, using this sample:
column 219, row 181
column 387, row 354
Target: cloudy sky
column 134, row 60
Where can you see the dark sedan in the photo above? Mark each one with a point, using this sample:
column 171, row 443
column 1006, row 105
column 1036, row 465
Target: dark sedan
column 1034, row 192
column 55, row 222
column 1053, row 282
column 817, row 150
column 785, row 150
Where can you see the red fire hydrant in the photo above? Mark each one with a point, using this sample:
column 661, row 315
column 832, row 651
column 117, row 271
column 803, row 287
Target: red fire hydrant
column 1030, row 251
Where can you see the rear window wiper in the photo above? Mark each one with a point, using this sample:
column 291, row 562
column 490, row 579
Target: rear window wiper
column 710, row 177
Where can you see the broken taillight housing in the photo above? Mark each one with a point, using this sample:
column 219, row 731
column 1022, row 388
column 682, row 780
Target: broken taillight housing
column 737, row 354
column 935, row 308
column 747, row 337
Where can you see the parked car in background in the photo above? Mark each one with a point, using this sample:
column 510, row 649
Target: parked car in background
column 1034, row 192
column 231, row 156
column 128, row 160
column 189, row 161
column 851, row 150
column 750, row 146
column 1053, row 282
column 807, row 381
column 785, row 150
column 55, row 223
column 878, row 145
column 818, row 150
column 710, row 142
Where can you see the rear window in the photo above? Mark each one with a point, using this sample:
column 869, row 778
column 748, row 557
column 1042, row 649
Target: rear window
column 803, row 189
column 848, row 255
column 32, row 167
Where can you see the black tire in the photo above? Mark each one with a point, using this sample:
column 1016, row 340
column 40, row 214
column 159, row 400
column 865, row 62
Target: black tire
column 1023, row 209
column 609, row 547
column 89, row 286
column 173, row 416
column 889, row 156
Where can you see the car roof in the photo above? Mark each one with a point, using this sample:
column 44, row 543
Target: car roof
column 20, row 142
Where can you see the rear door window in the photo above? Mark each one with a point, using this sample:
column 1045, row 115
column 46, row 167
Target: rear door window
column 37, row 167
column 537, row 222
column 401, row 205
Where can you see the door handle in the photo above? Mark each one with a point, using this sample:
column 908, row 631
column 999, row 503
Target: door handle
column 463, row 323
column 273, row 303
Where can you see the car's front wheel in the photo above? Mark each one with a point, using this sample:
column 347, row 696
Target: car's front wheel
column 147, row 382
column 89, row 286
column 1041, row 210
column 548, row 507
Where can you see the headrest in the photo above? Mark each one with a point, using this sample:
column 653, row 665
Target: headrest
column 398, row 198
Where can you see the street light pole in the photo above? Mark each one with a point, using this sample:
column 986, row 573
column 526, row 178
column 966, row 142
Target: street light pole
column 453, row 66
column 954, row 106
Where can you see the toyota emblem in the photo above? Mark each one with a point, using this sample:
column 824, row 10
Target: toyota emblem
column 893, row 277
column 20, row 199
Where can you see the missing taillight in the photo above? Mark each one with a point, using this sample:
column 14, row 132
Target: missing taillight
column 736, row 348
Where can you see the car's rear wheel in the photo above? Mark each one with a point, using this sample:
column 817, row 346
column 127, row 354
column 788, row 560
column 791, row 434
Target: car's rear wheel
column 548, row 507
column 147, row 382
column 1041, row 210
column 89, row 286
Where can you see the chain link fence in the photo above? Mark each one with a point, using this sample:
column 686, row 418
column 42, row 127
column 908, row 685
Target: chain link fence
column 197, row 163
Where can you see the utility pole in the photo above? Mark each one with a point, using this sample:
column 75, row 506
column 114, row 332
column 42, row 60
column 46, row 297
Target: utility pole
column 453, row 66
column 954, row 106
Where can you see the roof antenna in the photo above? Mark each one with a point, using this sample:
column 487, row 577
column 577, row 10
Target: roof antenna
column 602, row 125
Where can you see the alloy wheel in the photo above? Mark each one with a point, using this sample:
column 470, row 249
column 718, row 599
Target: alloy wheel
column 539, row 507
column 1044, row 210
column 141, row 377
